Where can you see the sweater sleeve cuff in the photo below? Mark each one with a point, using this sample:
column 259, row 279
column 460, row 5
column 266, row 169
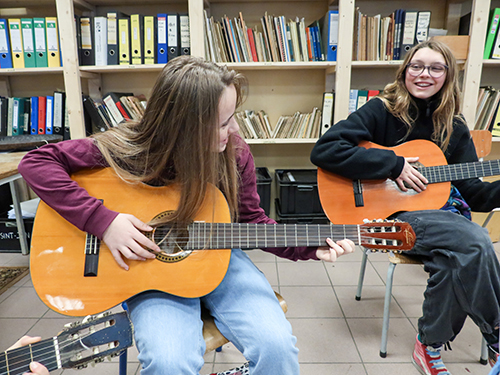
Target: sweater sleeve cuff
column 100, row 221
column 398, row 168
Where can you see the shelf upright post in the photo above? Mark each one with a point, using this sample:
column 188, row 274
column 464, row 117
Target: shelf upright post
column 71, row 71
column 196, row 21
column 344, row 59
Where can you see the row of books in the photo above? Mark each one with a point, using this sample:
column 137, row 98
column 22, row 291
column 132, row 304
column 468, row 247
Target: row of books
column 487, row 110
column 492, row 43
column 378, row 38
column 281, row 40
column 113, row 109
column 34, row 115
column 359, row 97
column 119, row 39
column 29, row 43
column 256, row 125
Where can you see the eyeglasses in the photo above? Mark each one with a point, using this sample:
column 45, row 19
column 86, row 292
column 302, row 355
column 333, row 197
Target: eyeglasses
column 435, row 70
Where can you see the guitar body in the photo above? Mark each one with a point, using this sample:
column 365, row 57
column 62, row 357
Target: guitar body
column 382, row 198
column 57, row 251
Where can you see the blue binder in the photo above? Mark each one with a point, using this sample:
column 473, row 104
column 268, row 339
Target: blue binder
column 5, row 54
column 162, row 50
column 329, row 34
column 34, row 115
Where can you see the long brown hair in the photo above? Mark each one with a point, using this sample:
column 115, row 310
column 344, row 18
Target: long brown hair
column 398, row 100
column 176, row 140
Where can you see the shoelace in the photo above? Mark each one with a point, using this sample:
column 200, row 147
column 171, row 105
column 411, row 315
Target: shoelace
column 437, row 361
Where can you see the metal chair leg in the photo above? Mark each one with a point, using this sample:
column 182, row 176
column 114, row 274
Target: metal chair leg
column 123, row 363
column 387, row 308
column 361, row 275
column 484, row 352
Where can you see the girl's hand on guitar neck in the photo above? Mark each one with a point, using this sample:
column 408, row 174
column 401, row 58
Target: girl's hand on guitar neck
column 124, row 239
column 335, row 250
column 411, row 178
column 36, row 367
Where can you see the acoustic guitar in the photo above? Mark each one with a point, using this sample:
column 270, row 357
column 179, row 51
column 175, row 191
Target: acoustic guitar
column 74, row 274
column 79, row 344
column 352, row 201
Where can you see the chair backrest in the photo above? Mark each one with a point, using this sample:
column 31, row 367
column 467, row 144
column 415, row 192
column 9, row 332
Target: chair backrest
column 482, row 141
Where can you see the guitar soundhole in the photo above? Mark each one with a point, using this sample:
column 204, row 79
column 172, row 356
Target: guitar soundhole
column 172, row 242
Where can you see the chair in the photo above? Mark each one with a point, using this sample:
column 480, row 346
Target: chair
column 213, row 338
column 482, row 141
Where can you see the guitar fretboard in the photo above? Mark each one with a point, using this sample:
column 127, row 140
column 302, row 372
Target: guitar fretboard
column 446, row 173
column 16, row 361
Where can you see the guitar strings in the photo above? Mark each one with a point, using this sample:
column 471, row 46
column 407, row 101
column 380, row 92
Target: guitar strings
column 48, row 359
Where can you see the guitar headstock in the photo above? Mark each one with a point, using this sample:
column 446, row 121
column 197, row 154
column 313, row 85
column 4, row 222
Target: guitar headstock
column 94, row 339
column 387, row 235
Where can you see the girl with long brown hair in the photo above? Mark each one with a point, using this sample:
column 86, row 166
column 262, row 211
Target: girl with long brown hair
column 188, row 136
column 464, row 274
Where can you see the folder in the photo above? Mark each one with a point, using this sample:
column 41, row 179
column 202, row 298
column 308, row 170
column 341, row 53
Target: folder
column 353, row 100
column 87, row 34
column 362, row 98
column 26, row 115
column 112, row 26
column 5, row 55
column 3, row 115
column 330, row 34
column 161, row 51
column 492, row 32
column 123, row 42
column 42, row 114
column 67, row 130
column 40, row 42
column 136, row 44
column 185, row 45
column 78, row 38
column 326, row 112
column 90, row 107
column 409, row 30
column 17, row 116
column 149, row 40
column 423, row 23
column 59, row 106
column 100, row 41
column 16, row 42
column 49, row 115
column 398, row 22
column 53, row 51
column 34, row 115
column 372, row 94
column 173, row 36
column 10, row 111
column 28, row 42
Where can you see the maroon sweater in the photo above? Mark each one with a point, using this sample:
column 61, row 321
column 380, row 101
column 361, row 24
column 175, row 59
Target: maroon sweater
column 47, row 171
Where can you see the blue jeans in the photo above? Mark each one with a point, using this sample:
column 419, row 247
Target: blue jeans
column 168, row 329
column 464, row 275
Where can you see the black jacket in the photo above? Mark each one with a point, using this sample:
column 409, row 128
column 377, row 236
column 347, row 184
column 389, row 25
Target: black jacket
column 337, row 150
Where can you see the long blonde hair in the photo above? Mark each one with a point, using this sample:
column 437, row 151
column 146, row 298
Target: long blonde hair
column 398, row 101
column 176, row 140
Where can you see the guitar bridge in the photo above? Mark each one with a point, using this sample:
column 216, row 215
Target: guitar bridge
column 358, row 193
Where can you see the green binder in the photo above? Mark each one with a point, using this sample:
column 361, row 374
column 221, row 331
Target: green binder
column 40, row 42
column 28, row 42
column 492, row 32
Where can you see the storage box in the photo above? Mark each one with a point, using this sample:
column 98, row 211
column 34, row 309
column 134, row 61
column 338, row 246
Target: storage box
column 264, row 188
column 299, row 218
column 297, row 190
column 9, row 235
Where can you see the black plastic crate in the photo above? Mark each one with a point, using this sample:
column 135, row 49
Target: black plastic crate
column 299, row 218
column 264, row 188
column 9, row 235
column 297, row 190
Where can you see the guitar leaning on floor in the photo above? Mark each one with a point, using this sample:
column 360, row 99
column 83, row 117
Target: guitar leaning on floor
column 352, row 201
column 76, row 346
column 74, row 274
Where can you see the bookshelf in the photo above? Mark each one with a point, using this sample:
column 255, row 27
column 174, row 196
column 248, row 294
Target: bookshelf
column 277, row 88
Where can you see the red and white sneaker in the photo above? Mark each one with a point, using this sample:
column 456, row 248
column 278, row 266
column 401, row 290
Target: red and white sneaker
column 428, row 360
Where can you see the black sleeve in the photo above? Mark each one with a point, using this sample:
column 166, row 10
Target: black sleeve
column 337, row 150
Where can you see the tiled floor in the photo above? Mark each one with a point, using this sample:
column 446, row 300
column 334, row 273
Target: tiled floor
column 336, row 334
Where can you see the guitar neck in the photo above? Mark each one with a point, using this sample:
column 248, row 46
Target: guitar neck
column 16, row 361
column 249, row 236
column 452, row 172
